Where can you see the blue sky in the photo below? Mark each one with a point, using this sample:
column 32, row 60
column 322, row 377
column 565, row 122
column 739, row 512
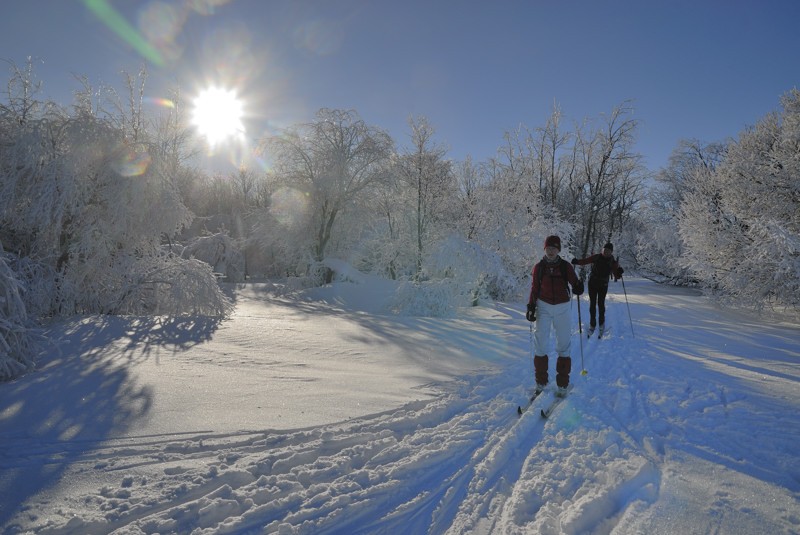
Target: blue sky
column 691, row 69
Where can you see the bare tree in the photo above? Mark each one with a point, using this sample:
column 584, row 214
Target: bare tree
column 553, row 168
column 469, row 178
column 21, row 94
column 607, row 185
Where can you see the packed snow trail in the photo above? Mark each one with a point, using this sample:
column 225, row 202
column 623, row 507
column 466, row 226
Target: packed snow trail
column 690, row 427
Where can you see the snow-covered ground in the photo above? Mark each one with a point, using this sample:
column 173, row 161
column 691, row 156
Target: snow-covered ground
column 324, row 414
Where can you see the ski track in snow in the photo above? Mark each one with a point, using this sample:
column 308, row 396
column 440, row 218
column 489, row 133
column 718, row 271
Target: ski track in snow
column 613, row 458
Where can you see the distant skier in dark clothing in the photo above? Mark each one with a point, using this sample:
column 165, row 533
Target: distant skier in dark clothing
column 604, row 266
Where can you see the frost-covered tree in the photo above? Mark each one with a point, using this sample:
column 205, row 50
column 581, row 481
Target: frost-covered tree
column 386, row 246
column 740, row 222
column 233, row 205
column 331, row 162
column 587, row 181
column 554, row 160
column 427, row 187
column 606, row 187
column 546, row 155
column 506, row 221
column 89, row 197
column 469, row 180
column 659, row 248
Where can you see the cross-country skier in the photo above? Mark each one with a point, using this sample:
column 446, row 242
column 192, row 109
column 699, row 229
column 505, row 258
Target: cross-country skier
column 549, row 307
column 604, row 266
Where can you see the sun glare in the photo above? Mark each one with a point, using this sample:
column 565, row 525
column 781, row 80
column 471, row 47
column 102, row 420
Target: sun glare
column 218, row 115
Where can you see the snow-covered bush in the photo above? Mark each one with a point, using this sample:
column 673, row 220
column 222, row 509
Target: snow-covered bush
column 658, row 248
column 317, row 274
column 39, row 281
column 220, row 252
column 178, row 286
column 477, row 273
column 16, row 335
column 341, row 271
column 155, row 284
column 438, row 299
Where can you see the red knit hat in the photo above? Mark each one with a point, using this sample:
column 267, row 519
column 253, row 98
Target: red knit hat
column 553, row 241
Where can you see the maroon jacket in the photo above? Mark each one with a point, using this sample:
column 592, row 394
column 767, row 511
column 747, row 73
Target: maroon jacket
column 553, row 288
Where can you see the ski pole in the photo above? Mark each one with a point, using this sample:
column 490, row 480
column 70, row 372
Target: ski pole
column 627, row 304
column 580, row 331
column 533, row 369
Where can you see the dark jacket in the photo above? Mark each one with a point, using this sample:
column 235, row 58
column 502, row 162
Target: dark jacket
column 602, row 268
column 553, row 287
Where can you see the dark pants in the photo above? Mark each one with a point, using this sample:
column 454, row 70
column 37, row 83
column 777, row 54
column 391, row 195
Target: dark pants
column 597, row 300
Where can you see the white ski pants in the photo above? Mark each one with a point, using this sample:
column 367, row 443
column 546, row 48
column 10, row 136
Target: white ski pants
column 549, row 317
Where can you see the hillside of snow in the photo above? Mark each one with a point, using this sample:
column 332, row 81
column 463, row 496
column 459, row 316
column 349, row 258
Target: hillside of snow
column 326, row 413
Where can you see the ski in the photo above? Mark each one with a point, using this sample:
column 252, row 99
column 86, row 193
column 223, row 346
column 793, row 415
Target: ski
column 547, row 411
column 523, row 408
column 590, row 332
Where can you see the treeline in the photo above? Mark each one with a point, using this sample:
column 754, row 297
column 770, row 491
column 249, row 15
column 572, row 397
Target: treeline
column 727, row 216
column 341, row 188
column 102, row 210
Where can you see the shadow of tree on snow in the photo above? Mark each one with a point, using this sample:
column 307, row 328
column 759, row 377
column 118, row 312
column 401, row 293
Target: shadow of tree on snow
column 81, row 394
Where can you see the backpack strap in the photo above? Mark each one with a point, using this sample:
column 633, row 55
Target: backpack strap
column 562, row 265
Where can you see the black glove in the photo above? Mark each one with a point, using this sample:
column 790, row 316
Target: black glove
column 620, row 271
column 530, row 315
column 577, row 289
column 574, row 261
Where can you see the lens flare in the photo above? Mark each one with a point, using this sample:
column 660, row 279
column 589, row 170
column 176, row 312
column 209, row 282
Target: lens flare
column 117, row 23
column 319, row 37
column 288, row 206
column 163, row 102
column 231, row 52
column 206, row 7
column 161, row 23
column 132, row 163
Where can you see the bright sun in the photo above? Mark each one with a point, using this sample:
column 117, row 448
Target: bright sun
column 218, row 115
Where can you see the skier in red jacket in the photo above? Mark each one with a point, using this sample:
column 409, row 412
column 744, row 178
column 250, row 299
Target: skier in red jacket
column 604, row 266
column 549, row 307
